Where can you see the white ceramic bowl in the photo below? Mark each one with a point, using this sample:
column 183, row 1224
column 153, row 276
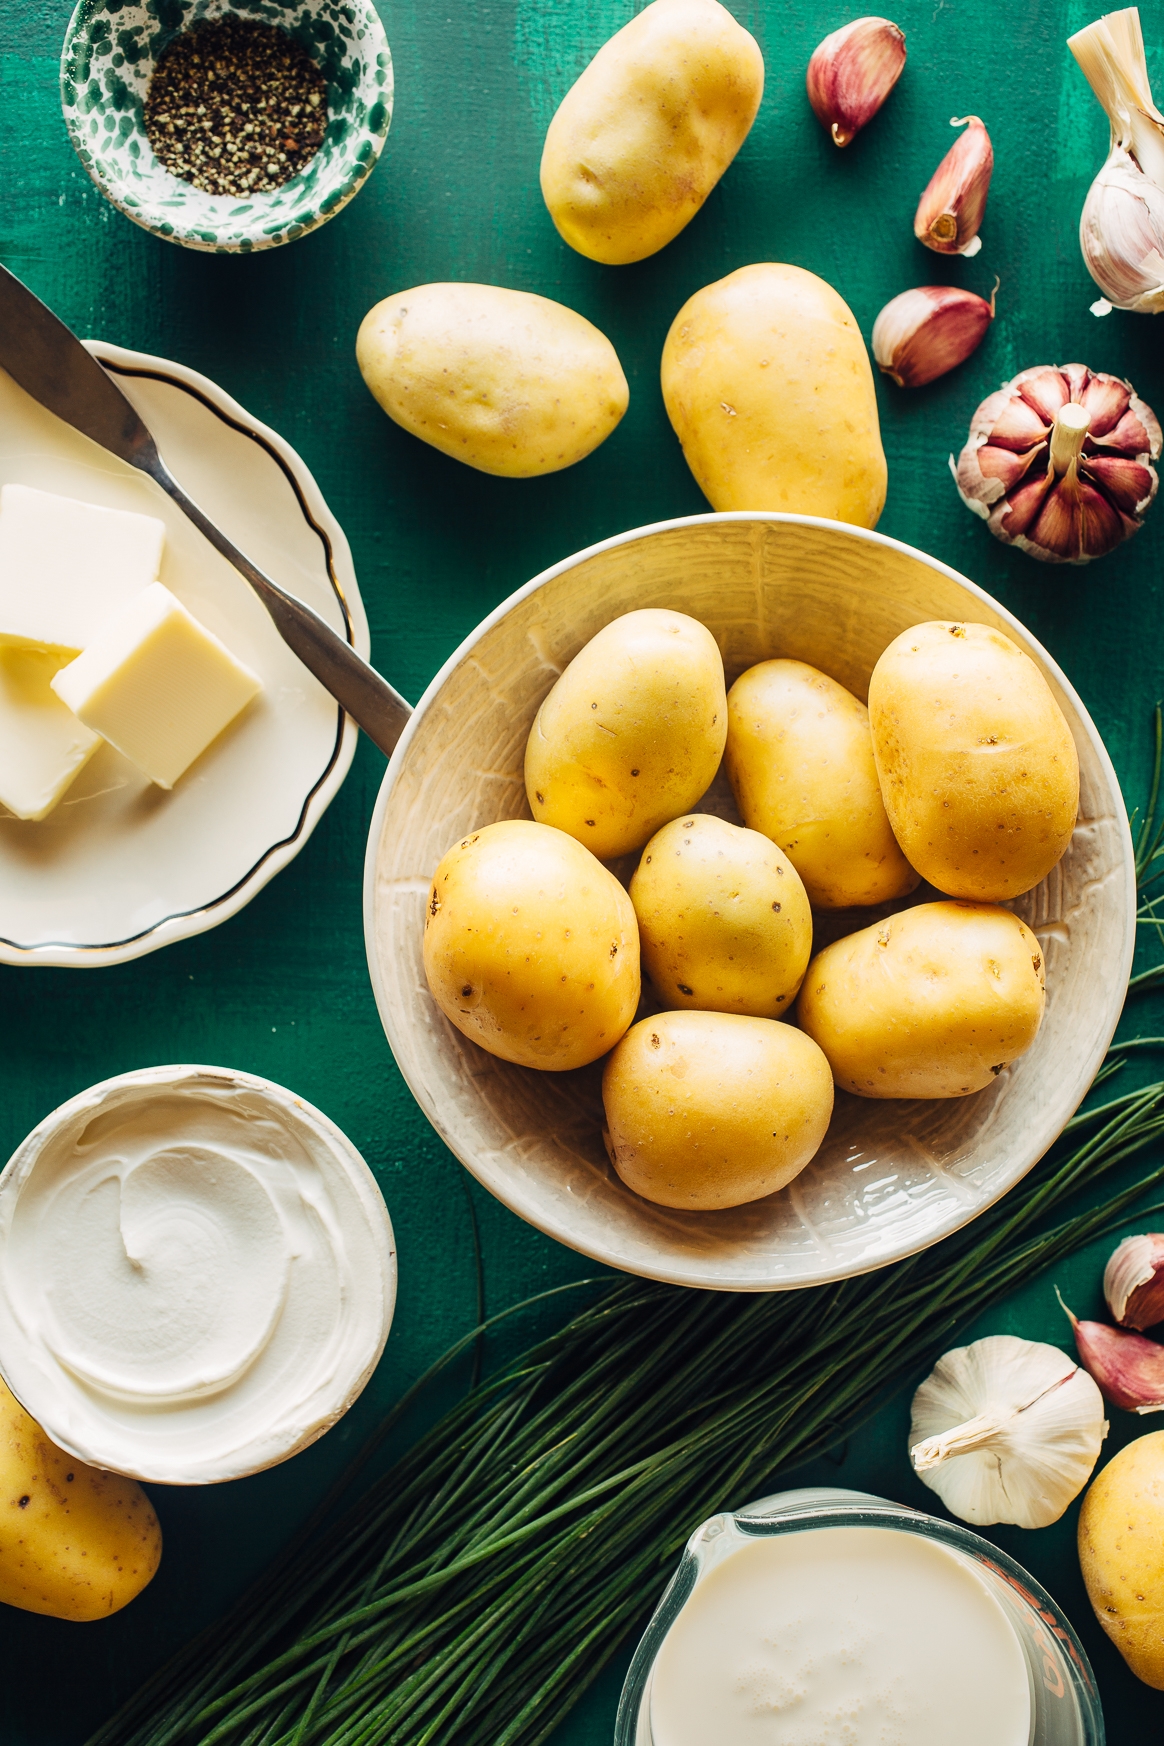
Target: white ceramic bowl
column 119, row 867
column 197, row 1274
column 891, row 1177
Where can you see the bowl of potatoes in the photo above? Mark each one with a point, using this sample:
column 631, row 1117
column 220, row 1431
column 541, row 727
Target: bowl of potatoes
column 749, row 902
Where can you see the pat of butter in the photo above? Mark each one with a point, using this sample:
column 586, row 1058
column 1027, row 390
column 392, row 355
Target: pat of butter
column 157, row 685
column 42, row 744
column 66, row 567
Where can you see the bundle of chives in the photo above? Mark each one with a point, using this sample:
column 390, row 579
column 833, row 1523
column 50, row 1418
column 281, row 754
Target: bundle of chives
column 473, row 1592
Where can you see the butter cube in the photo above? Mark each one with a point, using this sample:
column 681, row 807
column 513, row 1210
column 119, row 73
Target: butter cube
column 66, row 567
column 157, row 685
column 42, row 744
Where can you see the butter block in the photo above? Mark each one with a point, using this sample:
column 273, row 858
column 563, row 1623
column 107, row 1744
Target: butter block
column 42, row 744
column 157, row 685
column 66, row 567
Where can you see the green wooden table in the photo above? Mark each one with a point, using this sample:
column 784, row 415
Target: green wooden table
column 282, row 989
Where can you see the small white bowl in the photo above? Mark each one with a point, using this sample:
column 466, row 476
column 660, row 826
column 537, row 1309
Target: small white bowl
column 891, row 1177
column 197, row 1274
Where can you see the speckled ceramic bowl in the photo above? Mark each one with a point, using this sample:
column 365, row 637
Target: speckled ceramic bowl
column 108, row 58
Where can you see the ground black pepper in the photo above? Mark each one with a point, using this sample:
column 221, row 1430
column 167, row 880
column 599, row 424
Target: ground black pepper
column 235, row 107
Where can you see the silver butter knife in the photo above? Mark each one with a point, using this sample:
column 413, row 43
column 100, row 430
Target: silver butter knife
column 51, row 364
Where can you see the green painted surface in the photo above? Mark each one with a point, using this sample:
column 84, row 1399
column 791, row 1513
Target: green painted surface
column 282, row 990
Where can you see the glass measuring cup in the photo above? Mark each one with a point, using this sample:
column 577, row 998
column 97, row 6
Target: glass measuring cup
column 1065, row 1708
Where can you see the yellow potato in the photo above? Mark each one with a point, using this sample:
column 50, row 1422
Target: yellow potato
column 711, row 1109
column 933, row 1002
column 505, row 381
column 531, row 947
column 800, row 758
column 977, row 764
column 769, row 389
column 76, row 1543
column 1121, row 1551
column 724, row 923
column 632, row 733
column 645, row 134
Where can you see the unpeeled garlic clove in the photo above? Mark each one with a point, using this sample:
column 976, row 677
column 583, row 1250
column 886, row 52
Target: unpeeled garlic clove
column 1133, row 1281
column 852, row 72
column 1128, row 1368
column 949, row 213
column 925, row 332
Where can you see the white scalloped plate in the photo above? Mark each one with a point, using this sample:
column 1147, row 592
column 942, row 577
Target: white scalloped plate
column 121, row 867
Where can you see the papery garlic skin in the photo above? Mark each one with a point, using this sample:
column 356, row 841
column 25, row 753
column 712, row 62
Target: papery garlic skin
column 1007, row 1430
column 949, row 213
column 1064, row 496
column 1121, row 230
column 1128, row 1368
column 921, row 334
column 1133, row 1281
column 852, row 72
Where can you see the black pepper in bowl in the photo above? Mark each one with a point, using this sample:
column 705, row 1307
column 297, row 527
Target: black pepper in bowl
column 235, row 108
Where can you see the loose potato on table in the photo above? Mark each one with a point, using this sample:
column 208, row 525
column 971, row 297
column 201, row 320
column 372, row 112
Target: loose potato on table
column 645, row 134
column 769, row 389
column 724, row 922
column 531, row 947
column 75, row 1542
column 710, row 1109
column 505, row 381
column 800, row 758
column 978, row 768
column 632, row 733
column 929, row 1003
column 1121, row 1551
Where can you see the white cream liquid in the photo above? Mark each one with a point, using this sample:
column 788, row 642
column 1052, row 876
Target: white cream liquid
column 845, row 1636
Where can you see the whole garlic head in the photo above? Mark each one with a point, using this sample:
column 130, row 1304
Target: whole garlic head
column 1006, row 1430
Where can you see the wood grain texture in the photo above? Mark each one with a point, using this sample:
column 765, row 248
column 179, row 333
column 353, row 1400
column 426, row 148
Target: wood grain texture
column 282, row 989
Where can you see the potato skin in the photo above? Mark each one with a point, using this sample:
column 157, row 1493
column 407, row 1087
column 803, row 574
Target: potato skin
column 508, row 382
column 724, row 922
column 799, row 756
column 644, row 135
column 1121, row 1553
column 769, row 389
column 632, row 733
column 977, row 765
column 541, row 937
column 75, row 1542
column 711, row 1109
column 928, row 1003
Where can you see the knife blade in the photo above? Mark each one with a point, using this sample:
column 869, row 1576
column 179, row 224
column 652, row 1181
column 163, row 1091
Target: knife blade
column 49, row 362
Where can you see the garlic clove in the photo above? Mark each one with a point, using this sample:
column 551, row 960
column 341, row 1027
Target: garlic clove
column 1133, row 1281
column 852, row 72
column 1070, row 492
column 1006, row 1430
column 921, row 334
column 949, row 213
column 1128, row 1367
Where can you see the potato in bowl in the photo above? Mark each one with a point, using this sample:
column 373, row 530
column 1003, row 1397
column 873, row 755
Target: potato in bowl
column 891, row 1177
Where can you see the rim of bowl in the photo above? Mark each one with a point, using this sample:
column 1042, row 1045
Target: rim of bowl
column 148, row 1081
column 224, row 229
column 1119, row 979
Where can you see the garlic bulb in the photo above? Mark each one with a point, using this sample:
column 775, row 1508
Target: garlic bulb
column 949, row 213
column 852, row 72
column 1133, row 1281
column 1059, row 463
column 921, row 334
column 1121, row 231
column 1006, row 1430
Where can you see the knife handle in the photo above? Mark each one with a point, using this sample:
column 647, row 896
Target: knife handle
column 370, row 701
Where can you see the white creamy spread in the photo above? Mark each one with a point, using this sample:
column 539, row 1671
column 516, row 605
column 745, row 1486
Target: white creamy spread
column 196, row 1274
column 841, row 1636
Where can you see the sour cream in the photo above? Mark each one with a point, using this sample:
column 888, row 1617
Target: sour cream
column 196, row 1274
column 841, row 1636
